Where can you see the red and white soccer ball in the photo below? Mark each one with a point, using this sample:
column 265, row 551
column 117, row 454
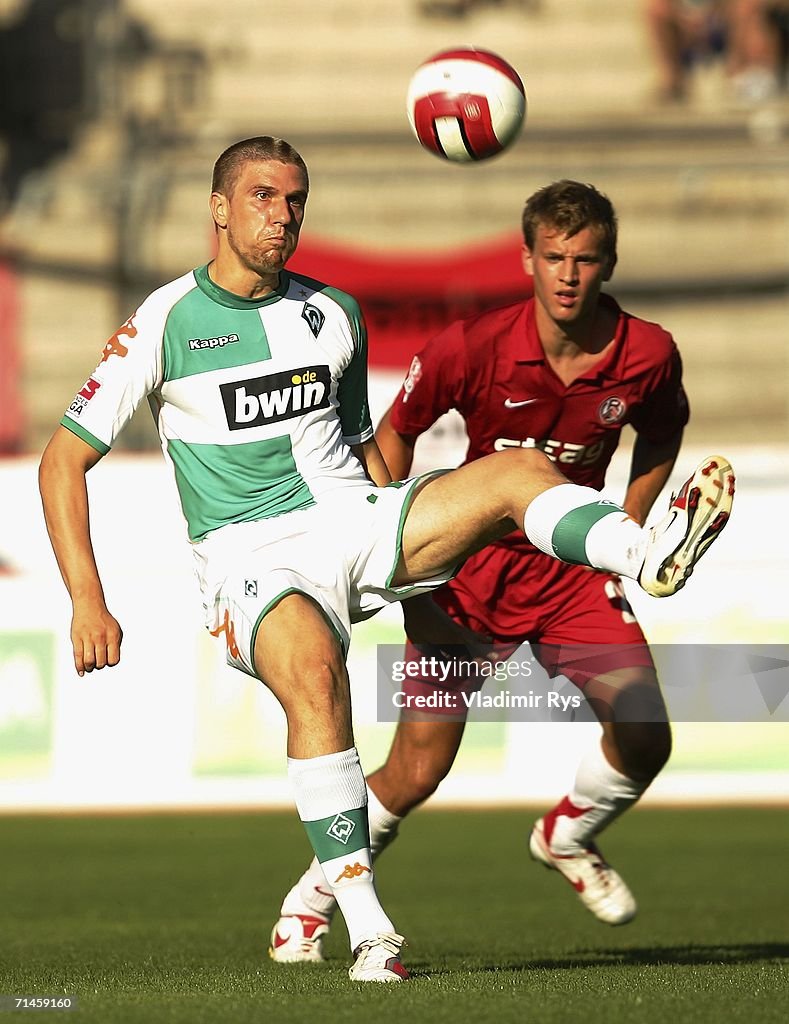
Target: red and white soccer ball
column 466, row 104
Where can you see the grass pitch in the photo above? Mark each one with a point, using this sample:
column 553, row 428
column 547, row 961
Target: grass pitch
column 166, row 919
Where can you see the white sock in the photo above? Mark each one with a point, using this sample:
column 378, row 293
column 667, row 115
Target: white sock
column 599, row 795
column 383, row 824
column 312, row 894
column 331, row 798
column 576, row 525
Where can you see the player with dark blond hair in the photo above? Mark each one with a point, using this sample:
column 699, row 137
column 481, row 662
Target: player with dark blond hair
column 257, row 379
column 562, row 372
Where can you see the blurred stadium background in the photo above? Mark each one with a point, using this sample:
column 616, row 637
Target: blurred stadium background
column 111, row 115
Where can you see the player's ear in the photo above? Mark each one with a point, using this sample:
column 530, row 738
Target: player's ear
column 527, row 259
column 218, row 204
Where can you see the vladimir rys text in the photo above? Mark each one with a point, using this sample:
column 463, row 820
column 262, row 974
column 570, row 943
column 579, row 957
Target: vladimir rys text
column 431, row 674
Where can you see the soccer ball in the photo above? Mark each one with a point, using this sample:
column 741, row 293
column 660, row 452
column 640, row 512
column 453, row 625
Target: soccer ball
column 466, row 104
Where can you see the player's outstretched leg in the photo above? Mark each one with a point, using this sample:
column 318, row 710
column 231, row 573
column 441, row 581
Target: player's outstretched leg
column 484, row 499
column 695, row 518
column 563, row 522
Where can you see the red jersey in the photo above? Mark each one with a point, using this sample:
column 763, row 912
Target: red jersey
column 492, row 369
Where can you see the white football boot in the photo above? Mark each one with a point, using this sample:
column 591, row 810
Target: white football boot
column 695, row 518
column 298, row 939
column 378, row 959
column 599, row 887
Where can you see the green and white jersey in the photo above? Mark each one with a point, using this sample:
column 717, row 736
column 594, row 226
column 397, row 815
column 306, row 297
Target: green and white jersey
column 256, row 401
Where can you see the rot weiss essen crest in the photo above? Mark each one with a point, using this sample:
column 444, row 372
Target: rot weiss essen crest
column 612, row 410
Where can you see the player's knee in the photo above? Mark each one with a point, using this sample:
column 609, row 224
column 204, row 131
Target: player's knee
column 321, row 682
column 644, row 748
column 527, row 460
column 522, row 468
column 422, row 784
column 309, row 687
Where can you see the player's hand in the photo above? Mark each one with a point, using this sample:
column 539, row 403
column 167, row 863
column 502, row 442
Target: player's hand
column 95, row 637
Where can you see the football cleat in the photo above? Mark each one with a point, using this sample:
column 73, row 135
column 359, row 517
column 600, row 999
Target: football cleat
column 298, row 939
column 695, row 518
column 378, row 959
column 598, row 886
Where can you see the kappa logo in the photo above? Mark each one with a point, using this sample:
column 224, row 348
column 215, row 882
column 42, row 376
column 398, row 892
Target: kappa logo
column 195, row 344
column 227, row 627
column 352, row 871
column 341, row 829
column 314, row 318
column 275, row 397
column 115, row 347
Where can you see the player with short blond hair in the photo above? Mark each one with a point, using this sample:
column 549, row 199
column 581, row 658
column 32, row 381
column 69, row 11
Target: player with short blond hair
column 256, row 377
column 563, row 372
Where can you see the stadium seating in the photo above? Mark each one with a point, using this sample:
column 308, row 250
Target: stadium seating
column 700, row 191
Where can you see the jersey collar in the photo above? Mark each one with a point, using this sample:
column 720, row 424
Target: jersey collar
column 531, row 350
column 226, row 298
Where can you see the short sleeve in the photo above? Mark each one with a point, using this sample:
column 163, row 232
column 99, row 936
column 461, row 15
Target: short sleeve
column 434, row 383
column 664, row 409
column 352, row 396
column 129, row 369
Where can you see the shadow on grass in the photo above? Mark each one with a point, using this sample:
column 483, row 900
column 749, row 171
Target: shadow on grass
column 656, row 956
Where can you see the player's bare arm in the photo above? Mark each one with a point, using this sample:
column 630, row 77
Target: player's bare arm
column 95, row 634
column 650, row 468
column 373, row 462
column 397, row 449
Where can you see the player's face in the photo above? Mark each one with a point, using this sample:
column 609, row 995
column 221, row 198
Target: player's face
column 262, row 216
column 568, row 272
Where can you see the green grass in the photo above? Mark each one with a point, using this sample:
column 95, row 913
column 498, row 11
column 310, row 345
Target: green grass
column 166, row 918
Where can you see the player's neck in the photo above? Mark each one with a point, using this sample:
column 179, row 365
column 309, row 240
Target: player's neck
column 572, row 349
column 587, row 336
column 240, row 280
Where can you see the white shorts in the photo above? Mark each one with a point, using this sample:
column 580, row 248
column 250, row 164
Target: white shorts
column 341, row 552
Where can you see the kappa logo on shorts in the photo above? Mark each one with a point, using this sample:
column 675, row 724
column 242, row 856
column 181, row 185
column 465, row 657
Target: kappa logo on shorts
column 341, row 829
column 250, row 588
column 275, row 397
column 314, row 318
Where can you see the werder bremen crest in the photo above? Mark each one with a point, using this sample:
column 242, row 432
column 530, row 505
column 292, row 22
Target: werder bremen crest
column 341, row 829
column 314, row 318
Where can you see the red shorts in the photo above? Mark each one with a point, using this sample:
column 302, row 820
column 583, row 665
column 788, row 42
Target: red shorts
column 578, row 621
